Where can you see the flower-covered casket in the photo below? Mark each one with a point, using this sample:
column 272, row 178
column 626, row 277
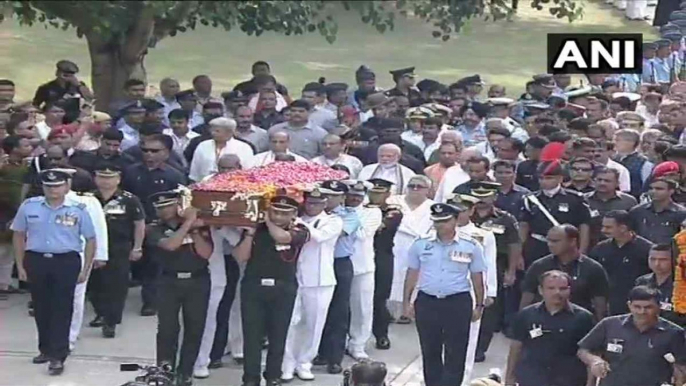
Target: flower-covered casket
column 239, row 198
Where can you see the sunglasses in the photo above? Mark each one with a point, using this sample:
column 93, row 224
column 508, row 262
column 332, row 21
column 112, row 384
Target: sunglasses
column 416, row 186
column 149, row 150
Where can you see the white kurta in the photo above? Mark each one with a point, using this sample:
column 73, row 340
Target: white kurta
column 487, row 241
column 351, row 162
column 399, row 175
column 217, row 268
column 453, row 177
column 316, row 283
column 362, row 287
column 94, row 209
column 205, row 157
column 624, row 176
column 267, row 157
column 415, row 223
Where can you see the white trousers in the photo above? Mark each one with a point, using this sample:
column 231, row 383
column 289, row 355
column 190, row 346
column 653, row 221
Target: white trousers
column 361, row 311
column 77, row 315
column 636, row 9
column 235, row 342
column 6, row 265
column 307, row 325
column 474, row 328
column 203, row 359
column 621, row 4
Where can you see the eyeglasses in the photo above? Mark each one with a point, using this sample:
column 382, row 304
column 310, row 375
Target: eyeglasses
column 416, row 186
column 149, row 150
column 582, row 169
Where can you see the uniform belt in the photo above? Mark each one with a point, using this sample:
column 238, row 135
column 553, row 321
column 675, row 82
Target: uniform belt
column 49, row 255
column 186, row 274
column 442, row 296
column 538, row 237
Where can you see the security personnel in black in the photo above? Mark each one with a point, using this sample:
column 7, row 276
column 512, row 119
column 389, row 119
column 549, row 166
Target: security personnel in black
column 383, row 258
column 545, row 336
column 508, row 258
column 636, row 349
column 108, row 286
column 182, row 245
column 404, row 79
column 269, row 287
column 662, row 279
column 550, row 206
column 660, row 219
column 66, row 86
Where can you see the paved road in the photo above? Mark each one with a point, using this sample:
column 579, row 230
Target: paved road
column 95, row 361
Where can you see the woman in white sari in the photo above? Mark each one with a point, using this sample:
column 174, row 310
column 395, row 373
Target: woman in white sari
column 415, row 223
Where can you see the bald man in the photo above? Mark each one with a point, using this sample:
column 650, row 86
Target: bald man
column 168, row 89
column 388, row 168
column 279, row 145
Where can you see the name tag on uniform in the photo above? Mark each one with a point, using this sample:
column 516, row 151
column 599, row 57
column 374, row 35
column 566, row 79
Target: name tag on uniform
column 183, row 275
column 564, row 207
column 669, row 357
column 66, row 220
column 666, row 306
column 594, row 213
column 461, row 257
column 497, row 229
column 616, row 348
column 268, row 282
column 115, row 209
column 536, row 332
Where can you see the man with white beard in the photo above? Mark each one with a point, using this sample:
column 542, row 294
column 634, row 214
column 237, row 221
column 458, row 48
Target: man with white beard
column 316, row 284
column 362, row 291
column 487, row 241
column 388, row 168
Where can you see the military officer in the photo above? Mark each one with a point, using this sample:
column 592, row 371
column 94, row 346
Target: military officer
column 383, row 258
column 404, row 79
column 126, row 230
column 508, row 261
column 182, row 244
column 445, row 268
column 551, row 206
column 487, row 241
column 269, row 287
column 47, row 241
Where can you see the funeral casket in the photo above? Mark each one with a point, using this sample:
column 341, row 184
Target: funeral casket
column 240, row 198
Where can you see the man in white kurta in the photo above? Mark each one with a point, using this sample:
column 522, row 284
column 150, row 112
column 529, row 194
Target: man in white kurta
column 362, row 289
column 452, row 177
column 217, row 268
column 332, row 149
column 487, row 241
column 388, row 168
column 316, row 284
column 279, row 143
column 208, row 152
column 97, row 215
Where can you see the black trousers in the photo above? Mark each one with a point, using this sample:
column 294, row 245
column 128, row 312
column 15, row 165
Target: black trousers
column 266, row 310
column 109, row 286
column 189, row 297
column 149, row 272
column 53, row 280
column 443, row 327
column 332, row 346
column 221, row 334
column 383, row 281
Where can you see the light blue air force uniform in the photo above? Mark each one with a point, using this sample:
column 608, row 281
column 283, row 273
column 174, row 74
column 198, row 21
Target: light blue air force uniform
column 445, row 269
column 53, row 230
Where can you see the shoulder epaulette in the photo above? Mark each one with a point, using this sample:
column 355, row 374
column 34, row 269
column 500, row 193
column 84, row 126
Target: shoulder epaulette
column 465, row 236
column 35, row 199
column 126, row 194
column 85, row 194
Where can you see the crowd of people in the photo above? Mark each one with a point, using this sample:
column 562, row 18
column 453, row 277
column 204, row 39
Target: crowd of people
column 548, row 216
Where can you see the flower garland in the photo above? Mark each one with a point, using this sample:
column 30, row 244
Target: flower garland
column 679, row 293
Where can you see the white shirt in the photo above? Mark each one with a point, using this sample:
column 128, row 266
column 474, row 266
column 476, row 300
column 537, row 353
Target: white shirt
column 315, row 263
column 351, row 162
column 487, row 241
column 43, row 130
column 267, row 157
column 196, row 120
column 180, row 143
column 453, row 177
column 624, row 176
column 205, row 157
column 97, row 215
column 413, row 138
column 363, row 256
column 485, row 149
column 398, row 174
column 168, row 107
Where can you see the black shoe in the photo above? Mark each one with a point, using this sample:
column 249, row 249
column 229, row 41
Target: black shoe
column 215, row 364
column 108, row 331
column 251, row 384
column 184, row 380
column 383, row 343
column 99, row 321
column 56, row 367
column 40, row 359
column 334, row 368
column 32, row 313
column 273, row 382
column 479, row 358
column 238, row 361
column 403, row 320
column 319, row 361
column 148, row 311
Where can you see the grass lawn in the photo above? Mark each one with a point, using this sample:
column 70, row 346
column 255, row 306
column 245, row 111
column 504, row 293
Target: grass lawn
column 505, row 52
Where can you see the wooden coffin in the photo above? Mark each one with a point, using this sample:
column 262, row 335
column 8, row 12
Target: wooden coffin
column 227, row 208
